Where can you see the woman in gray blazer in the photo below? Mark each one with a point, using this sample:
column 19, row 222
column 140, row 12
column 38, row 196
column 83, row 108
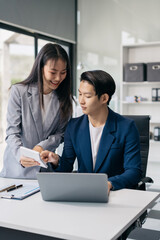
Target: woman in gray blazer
column 38, row 111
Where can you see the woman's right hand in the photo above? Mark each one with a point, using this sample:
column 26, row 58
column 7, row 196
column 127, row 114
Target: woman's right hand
column 28, row 162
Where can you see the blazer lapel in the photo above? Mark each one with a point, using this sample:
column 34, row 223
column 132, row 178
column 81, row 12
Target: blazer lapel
column 106, row 140
column 33, row 100
column 85, row 145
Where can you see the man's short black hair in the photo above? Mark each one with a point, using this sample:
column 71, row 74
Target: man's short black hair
column 101, row 81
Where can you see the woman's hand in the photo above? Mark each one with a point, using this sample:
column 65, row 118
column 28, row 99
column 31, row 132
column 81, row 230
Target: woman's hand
column 28, row 162
column 38, row 148
column 51, row 157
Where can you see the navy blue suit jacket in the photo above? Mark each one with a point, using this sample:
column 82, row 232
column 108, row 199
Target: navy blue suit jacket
column 118, row 155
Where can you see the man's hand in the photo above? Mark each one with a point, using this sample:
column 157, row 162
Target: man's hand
column 51, row 157
column 109, row 186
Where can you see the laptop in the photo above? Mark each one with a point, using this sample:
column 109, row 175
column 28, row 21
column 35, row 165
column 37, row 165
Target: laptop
column 73, row 187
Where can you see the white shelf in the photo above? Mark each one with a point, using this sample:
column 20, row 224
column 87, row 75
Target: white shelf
column 155, row 122
column 145, row 83
column 142, row 45
column 141, row 53
column 154, row 142
column 141, row 103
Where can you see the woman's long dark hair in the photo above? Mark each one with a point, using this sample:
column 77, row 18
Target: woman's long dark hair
column 54, row 52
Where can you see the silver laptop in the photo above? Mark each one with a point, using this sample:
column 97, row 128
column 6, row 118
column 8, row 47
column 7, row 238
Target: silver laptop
column 73, row 187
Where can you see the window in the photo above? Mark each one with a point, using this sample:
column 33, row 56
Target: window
column 18, row 49
column 17, row 57
column 42, row 42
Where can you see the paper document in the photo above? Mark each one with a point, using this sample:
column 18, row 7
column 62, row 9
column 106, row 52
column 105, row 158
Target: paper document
column 26, row 152
column 21, row 193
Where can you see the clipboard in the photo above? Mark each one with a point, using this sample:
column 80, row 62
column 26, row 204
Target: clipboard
column 21, row 193
column 26, row 152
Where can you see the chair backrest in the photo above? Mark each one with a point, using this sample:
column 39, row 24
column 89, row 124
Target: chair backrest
column 142, row 123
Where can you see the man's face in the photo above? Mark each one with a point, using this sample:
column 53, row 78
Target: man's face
column 88, row 99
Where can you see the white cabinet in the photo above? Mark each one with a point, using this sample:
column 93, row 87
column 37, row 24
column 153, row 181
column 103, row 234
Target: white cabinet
column 141, row 53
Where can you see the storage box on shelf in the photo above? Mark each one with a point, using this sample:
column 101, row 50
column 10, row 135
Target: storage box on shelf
column 136, row 95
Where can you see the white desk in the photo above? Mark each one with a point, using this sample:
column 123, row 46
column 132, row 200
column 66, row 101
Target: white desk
column 75, row 221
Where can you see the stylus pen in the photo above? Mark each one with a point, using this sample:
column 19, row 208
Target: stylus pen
column 18, row 186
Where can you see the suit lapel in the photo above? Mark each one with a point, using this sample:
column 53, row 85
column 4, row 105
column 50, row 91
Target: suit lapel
column 106, row 140
column 33, row 100
column 85, row 145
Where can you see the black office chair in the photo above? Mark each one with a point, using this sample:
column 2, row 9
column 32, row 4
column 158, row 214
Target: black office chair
column 142, row 123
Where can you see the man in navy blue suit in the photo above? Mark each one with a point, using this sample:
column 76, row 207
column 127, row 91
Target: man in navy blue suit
column 101, row 140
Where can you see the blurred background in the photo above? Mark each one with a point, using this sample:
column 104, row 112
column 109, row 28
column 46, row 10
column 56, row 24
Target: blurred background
column 94, row 34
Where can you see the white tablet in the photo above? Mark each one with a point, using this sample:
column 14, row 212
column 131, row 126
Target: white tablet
column 26, row 152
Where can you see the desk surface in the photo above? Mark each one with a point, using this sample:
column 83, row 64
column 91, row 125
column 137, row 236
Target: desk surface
column 75, row 220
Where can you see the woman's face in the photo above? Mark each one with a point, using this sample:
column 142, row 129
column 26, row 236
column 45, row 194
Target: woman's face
column 54, row 72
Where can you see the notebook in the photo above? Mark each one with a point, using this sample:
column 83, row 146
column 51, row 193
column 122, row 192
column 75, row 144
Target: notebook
column 73, row 187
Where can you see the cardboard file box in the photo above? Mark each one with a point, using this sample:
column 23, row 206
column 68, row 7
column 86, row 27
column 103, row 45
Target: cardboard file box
column 134, row 72
column 153, row 72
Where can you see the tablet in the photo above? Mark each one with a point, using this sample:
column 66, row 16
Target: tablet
column 26, row 152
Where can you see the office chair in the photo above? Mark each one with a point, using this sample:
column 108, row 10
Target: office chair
column 142, row 123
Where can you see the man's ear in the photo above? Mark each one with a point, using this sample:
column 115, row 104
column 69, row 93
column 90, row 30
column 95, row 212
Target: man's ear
column 105, row 98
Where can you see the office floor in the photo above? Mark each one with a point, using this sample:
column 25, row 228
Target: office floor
column 151, row 228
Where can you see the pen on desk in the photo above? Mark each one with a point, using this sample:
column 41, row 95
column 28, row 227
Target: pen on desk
column 18, row 186
column 7, row 188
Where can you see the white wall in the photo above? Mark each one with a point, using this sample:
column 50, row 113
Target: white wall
column 104, row 25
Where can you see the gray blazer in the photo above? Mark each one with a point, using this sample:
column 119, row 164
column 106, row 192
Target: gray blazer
column 24, row 127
